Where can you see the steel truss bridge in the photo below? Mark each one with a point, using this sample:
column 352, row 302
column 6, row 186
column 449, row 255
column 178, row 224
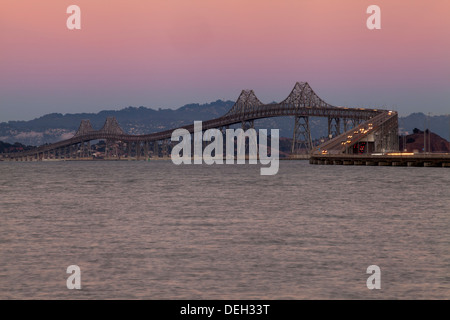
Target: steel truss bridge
column 364, row 130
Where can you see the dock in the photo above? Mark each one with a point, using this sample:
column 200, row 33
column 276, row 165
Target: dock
column 392, row 159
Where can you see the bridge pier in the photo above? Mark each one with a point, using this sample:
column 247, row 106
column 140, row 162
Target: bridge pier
column 128, row 143
column 73, row 150
column 302, row 135
column 90, row 150
column 334, row 127
column 137, row 146
column 82, row 153
column 156, row 149
column 165, row 148
column 106, row 148
column 145, row 150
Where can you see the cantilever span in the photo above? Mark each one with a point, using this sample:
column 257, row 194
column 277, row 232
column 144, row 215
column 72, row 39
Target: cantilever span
column 302, row 103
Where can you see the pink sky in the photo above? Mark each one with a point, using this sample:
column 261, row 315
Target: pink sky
column 166, row 53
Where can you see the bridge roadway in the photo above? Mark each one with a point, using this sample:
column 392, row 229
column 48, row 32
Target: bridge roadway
column 383, row 122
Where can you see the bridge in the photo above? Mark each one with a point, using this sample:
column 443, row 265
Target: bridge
column 350, row 130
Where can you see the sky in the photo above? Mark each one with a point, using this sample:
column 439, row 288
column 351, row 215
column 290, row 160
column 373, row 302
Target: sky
column 167, row 53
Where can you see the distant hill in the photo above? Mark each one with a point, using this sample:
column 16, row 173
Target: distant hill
column 54, row 127
column 437, row 124
column 16, row 147
column 415, row 141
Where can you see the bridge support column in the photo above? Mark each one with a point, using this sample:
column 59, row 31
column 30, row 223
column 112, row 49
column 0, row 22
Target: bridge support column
column 334, row 127
column 302, row 135
column 107, row 154
column 156, row 149
column 89, row 154
column 78, row 149
column 137, row 148
column 117, row 149
column 387, row 137
column 128, row 149
column 146, row 150
column 85, row 153
column 165, row 148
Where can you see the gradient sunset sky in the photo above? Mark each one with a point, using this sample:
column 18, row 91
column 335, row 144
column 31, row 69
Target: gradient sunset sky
column 167, row 53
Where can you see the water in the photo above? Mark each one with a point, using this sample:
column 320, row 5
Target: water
column 153, row 230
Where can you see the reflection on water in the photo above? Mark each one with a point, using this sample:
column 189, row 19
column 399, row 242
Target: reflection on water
column 153, row 230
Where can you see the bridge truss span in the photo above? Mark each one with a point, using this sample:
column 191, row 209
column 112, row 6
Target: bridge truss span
column 302, row 103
